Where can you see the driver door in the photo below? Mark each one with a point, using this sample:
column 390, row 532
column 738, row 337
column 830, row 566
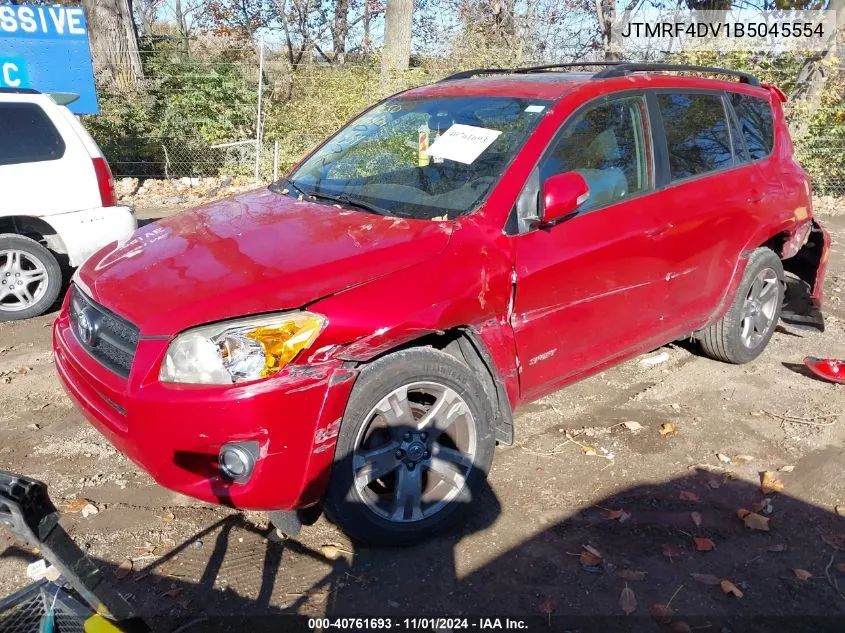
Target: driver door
column 593, row 287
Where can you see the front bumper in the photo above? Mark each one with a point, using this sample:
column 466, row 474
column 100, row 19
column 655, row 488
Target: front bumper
column 174, row 432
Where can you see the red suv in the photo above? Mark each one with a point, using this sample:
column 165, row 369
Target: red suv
column 356, row 337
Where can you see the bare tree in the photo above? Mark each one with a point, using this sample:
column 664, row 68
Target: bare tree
column 114, row 43
column 398, row 19
column 147, row 13
column 811, row 80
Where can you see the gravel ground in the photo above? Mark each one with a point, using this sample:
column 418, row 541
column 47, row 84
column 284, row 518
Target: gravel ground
column 578, row 477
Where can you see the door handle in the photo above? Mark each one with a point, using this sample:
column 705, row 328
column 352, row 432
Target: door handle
column 658, row 231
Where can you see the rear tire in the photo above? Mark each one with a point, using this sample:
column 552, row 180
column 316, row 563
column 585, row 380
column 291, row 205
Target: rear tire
column 743, row 333
column 30, row 278
column 397, row 477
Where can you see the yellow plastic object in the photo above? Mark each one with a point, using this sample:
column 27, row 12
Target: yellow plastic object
column 283, row 342
column 98, row 624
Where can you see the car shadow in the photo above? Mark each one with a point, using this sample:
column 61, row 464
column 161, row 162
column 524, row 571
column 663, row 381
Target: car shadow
column 803, row 370
column 707, row 551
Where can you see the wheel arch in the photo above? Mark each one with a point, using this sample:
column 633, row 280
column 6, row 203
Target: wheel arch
column 35, row 228
column 464, row 343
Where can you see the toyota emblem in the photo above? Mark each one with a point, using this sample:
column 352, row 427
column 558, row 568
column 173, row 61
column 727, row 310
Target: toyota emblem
column 87, row 328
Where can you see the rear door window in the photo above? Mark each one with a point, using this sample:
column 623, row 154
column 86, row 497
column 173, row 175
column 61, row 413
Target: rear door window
column 609, row 146
column 27, row 135
column 697, row 133
column 754, row 116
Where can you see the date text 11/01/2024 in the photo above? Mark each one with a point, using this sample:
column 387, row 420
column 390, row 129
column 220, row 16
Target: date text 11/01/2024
column 422, row 624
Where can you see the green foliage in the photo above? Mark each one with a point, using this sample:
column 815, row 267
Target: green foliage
column 209, row 97
column 188, row 105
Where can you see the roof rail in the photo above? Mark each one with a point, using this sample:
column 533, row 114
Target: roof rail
column 540, row 69
column 626, row 68
column 466, row 74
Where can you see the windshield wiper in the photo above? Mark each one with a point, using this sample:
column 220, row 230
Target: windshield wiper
column 348, row 201
column 289, row 184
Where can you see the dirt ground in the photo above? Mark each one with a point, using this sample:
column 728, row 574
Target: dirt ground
column 558, row 491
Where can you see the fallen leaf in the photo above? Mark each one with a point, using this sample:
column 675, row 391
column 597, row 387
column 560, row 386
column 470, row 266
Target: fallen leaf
column 742, row 513
column 167, row 518
column 755, row 521
column 686, row 495
column 332, row 551
column 633, row 426
column 547, row 605
column 706, row 579
column 728, row 587
column 679, row 626
column 589, row 450
column 786, row 469
column 588, row 559
column 123, row 569
column 627, row 600
column 780, row 547
column 802, row 574
column 769, row 483
column 696, row 518
column 704, row 544
column 618, row 515
column 723, row 458
column 630, row 574
column 672, row 551
column 661, row 613
column 667, row 428
column 76, row 505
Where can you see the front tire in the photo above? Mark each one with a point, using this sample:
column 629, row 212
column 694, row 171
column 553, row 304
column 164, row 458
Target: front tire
column 414, row 448
column 743, row 333
column 30, row 278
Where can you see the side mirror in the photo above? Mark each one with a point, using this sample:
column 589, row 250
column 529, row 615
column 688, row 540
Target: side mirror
column 562, row 195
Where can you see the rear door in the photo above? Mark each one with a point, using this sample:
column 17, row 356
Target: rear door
column 590, row 288
column 44, row 167
column 705, row 205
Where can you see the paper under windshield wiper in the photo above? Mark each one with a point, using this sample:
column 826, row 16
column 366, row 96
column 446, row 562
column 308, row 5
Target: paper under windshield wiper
column 352, row 202
column 290, row 184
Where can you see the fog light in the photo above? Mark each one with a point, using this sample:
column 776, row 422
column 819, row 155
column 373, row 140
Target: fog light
column 238, row 460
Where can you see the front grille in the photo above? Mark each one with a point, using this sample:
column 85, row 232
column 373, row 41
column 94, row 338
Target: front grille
column 110, row 339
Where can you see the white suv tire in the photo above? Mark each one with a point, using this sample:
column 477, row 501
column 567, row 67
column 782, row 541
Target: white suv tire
column 30, row 278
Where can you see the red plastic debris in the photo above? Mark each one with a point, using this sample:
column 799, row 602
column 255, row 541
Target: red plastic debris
column 829, row 369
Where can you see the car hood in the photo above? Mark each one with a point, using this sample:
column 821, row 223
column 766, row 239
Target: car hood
column 253, row 253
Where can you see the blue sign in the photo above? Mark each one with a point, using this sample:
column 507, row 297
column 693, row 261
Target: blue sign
column 46, row 48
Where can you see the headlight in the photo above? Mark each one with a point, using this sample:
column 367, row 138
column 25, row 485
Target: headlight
column 239, row 350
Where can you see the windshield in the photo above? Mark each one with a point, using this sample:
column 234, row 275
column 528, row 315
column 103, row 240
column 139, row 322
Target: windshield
column 422, row 158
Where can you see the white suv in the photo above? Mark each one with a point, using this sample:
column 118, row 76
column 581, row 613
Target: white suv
column 57, row 200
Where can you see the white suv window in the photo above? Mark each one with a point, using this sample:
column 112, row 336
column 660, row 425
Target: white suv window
column 27, row 135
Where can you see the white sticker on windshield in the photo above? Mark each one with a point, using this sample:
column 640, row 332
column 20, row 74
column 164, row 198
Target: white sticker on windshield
column 535, row 108
column 462, row 143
